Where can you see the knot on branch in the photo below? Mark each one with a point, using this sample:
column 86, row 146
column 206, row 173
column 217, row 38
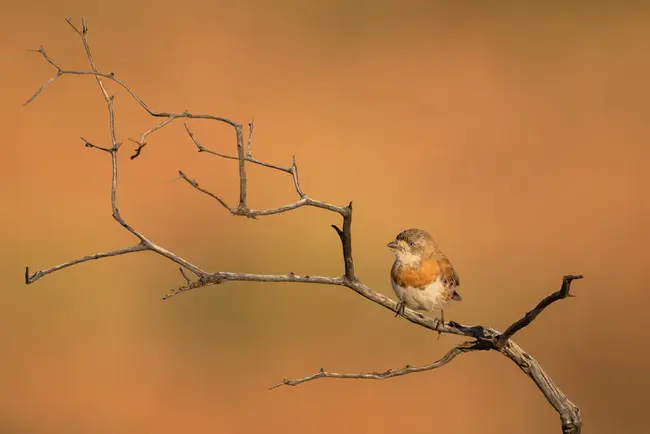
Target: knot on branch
column 243, row 211
column 204, row 280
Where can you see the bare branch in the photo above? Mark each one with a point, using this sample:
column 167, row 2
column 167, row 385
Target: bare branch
column 221, row 276
column 40, row 89
column 111, row 76
column 189, row 285
column 296, row 179
column 69, row 21
column 251, row 125
column 187, row 279
column 49, row 80
column 269, row 165
column 568, row 411
column 248, row 157
column 148, row 244
column 203, row 148
column 242, row 167
column 253, row 213
column 143, row 137
column 293, row 170
column 408, row 369
column 562, row 293
column 195, row 184
column 87, row 144
column 46, row 57
column 151, row 112
column 31, row 278
column 305, row 201
column 484, row 338
column 345, row 235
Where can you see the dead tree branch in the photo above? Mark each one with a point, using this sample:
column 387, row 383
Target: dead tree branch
column 483, row 338
column 408, row 369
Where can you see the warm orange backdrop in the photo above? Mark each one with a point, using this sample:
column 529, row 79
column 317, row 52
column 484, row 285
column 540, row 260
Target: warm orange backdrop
column 517, row 135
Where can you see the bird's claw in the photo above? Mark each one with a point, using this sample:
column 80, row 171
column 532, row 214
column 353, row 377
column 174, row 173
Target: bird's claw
column 440, row 322
column 400, row 309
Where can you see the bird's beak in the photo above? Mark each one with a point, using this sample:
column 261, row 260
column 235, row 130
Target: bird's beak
column 392, row 245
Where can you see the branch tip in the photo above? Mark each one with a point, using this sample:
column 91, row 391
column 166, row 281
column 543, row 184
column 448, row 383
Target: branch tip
column 570, row 277
column 338, row 231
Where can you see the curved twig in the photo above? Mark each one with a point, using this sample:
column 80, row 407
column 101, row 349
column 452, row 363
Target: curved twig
column 408, row 369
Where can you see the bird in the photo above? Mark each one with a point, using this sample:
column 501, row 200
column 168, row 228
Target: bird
column 422, row 276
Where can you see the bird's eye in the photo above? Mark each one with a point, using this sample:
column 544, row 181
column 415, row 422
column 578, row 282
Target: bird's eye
column 411, row 243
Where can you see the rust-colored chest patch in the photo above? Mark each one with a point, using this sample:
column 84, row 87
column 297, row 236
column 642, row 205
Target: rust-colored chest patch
column 427, row 272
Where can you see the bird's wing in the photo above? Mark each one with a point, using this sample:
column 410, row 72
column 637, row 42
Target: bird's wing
column 447, row 273
column 449, row 278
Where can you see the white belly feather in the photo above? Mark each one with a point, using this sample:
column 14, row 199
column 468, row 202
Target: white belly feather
column 427, row 299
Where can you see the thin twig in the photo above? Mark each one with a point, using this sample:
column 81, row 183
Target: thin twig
column 248, row 157
column 241, row 156
column 269, row 165
column 43, row 86
column 560, row 294
column 203, row 148
column 31, row 278
column 252, row 212
column 187, row 279
column 296, row 178
column 142, row 142
column 451, row 354
column 87, row 144
column 195, row 184
column 251, row 125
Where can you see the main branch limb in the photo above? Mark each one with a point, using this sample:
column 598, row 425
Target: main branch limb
column 483, row 337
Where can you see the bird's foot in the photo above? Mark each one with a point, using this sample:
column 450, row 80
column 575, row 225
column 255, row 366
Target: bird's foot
column 400, row 309
column 440, row 322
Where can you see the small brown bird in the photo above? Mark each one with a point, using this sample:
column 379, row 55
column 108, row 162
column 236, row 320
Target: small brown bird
column 422, row 276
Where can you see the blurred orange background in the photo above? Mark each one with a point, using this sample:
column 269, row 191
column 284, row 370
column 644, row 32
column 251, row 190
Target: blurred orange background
column 516, row 134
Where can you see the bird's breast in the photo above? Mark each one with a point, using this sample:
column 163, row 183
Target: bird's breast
column 432, row 296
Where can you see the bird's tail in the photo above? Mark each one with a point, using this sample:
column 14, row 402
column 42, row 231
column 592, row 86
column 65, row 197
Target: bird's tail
column 456, row 296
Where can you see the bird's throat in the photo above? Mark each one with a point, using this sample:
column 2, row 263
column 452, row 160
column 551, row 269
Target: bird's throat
column 408, row 259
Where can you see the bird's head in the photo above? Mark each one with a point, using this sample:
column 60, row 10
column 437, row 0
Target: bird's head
column 412, row 245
